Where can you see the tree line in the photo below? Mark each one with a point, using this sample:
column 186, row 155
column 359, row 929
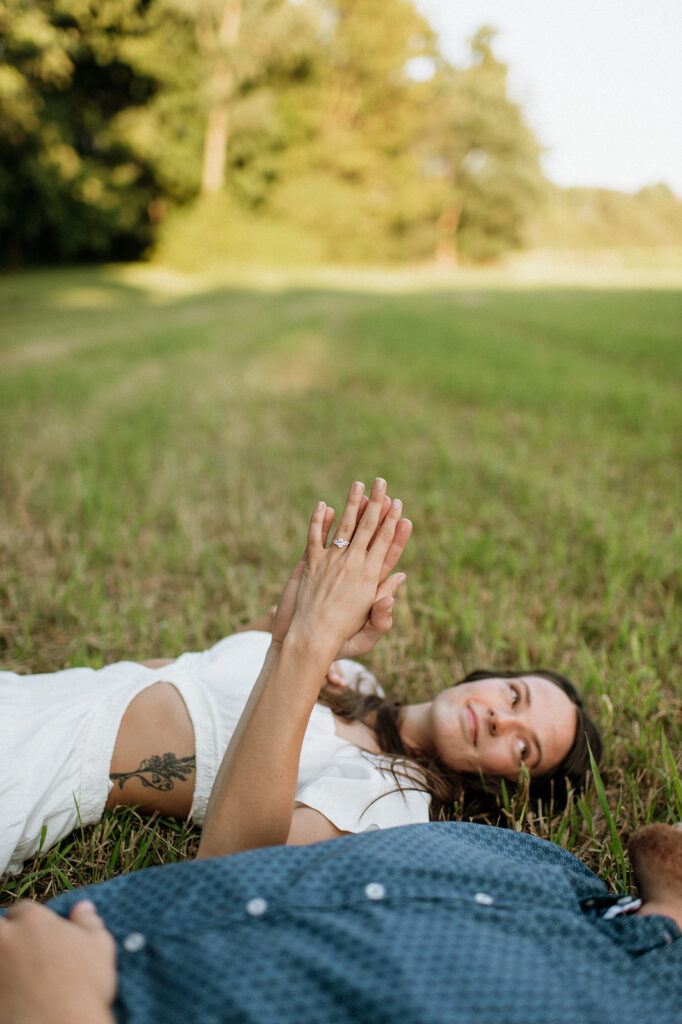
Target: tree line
column 339, row 122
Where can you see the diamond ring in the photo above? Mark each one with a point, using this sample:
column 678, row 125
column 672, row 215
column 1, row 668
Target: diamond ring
column 339, row 542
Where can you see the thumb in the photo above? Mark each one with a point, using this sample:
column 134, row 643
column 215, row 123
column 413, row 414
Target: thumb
column 389, row 588
column 380, row 619
column 380, row 615
column 85, row 915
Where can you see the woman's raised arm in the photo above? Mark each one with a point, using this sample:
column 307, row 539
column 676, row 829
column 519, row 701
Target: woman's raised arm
column 252, row 800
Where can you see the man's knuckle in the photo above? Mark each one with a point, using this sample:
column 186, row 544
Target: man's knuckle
column 22, row 909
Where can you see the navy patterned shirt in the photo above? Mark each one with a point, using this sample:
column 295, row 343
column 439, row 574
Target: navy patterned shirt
column 445, row 922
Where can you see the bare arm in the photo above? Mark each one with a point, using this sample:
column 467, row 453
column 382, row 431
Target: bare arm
column 311, row 826
column 252, row 800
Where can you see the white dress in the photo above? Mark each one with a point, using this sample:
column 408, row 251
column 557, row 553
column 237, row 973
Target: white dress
column 58, row 730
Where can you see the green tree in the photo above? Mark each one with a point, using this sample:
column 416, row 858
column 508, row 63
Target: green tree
column 352, row 175
column 242, row 55
column 71, row 185
column 482, row 148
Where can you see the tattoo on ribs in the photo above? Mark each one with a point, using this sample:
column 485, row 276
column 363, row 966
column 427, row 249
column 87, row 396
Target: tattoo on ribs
column 158, row 771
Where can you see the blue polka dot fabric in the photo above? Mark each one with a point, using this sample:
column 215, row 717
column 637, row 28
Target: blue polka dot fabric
column 444, row 922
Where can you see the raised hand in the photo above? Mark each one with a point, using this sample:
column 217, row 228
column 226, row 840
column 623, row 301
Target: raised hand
column 379, row 620
column 340, row 585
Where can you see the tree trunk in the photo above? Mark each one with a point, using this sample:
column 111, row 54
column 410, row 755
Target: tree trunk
column 215, row 146
column 217, row 44
column 446, row 246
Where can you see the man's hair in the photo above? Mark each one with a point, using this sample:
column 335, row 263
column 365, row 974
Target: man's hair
column 447, row 787
column 655, row 853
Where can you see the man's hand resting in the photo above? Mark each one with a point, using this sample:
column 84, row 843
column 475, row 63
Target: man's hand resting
column 54, row 971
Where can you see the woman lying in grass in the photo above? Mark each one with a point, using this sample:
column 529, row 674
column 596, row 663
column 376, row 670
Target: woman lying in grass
column 154, row 734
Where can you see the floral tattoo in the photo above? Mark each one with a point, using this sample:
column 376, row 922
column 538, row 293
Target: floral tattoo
column 158, row 771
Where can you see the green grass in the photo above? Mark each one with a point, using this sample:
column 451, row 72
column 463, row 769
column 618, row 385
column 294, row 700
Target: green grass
column 163, row 441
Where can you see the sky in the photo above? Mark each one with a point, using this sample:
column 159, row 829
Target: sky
column 599, row 81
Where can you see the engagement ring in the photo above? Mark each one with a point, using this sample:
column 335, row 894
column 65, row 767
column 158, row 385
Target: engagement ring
column 340, row 542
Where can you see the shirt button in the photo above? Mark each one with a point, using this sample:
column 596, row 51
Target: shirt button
column 484, row 899
column 256, row 907
column 375, row 891
column 134, row 942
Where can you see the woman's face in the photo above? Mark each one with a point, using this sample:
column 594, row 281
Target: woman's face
column 495, row 725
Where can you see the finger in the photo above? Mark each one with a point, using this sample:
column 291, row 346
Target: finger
column 390, row 586
column 378, row 619
column 381, row 616
column 315, row 528
column 403, row 532
column 363, row 506
column 85, row 915
column 22, row 909
column 349, row 516
column 382, row 515
column 386, row 535
column 370, row 518
column 335, row 674
column 327, row 524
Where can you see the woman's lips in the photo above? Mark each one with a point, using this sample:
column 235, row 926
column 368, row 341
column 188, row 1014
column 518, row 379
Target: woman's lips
column 472, row 724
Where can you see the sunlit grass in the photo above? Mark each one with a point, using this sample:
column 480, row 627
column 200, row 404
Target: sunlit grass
column 164, row 438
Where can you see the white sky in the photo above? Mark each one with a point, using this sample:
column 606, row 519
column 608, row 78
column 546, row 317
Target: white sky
column 600, row 81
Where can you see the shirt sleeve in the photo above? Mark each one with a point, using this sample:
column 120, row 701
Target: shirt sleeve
column 234, row 660
column 356, row 794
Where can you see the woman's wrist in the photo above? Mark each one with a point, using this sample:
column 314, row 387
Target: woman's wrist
column 315, row 649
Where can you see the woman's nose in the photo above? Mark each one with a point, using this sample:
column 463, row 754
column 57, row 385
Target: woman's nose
column 499, row 721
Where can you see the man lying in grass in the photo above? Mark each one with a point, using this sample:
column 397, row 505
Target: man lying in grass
column 441, row 921
column 154, row 734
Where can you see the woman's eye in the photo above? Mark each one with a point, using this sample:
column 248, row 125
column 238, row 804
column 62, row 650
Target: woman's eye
column 516, row 696
column 523, row 752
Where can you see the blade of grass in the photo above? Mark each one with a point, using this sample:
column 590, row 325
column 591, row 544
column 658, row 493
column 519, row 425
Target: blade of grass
column 616, row 844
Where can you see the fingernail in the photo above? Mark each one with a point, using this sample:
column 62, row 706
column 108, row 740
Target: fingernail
column 396, row 505
column 320, row 506
column 379, row 482
column 358, row 487
column 390, row 605
column 88, row 904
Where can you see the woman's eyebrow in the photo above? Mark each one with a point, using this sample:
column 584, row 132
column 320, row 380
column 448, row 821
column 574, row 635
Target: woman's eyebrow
column 527, row 689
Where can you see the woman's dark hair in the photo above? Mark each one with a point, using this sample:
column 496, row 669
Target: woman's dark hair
column 447, row 787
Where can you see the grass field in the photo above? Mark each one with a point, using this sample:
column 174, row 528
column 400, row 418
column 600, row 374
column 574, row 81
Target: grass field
column 163, row 440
